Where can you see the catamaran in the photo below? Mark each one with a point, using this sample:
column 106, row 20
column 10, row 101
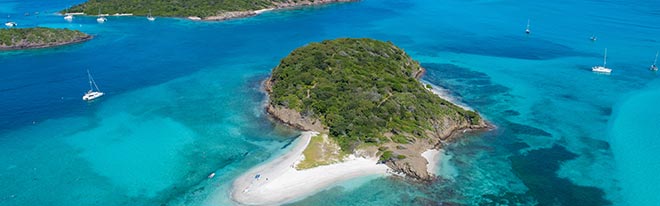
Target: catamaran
column 67, row 16
column 654, row 67
column 101, row 19
column 151, row 18
column 527, row 30
column 10, row 24
column 91, row 94
column 602, row 69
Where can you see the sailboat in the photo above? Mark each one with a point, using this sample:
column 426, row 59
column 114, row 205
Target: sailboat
column 101, row 19
column 593, row 38
column 654, row 67
column 67, row 16
column 10, row 24
column 149, row 17
column 91, row 94
column 602, row 69
column 527, row 30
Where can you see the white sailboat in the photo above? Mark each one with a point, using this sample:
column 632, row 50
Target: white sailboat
column 67, row 16
column 101, row 19
column 602, row 69
column 151, row 18
column 654, row 67
column 527, row 30
column 593, row 38
column 91, row 94
column 10, row 24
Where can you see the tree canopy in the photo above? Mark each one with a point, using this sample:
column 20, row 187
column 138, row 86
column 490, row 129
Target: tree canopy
column 173, row 8
column 363, row 90
column 38, row 36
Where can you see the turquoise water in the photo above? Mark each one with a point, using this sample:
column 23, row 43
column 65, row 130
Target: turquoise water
column 634, row 132
column 183, row 101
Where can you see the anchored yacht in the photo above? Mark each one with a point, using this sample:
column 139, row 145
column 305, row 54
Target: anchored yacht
column 10, row 24
column 101, row 18
column 151, row 18
column 527, row 30
column 654, row 67
column 91, row 94
column 602, row 69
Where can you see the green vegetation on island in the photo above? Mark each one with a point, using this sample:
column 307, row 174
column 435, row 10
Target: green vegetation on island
column 177, row 8
column 321, row 150
column 26, row 38
column 364, row 92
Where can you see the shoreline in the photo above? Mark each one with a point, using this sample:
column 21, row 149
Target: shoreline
column 229, row 15
column 423, row 167
column 45, row 46
column 277, row 182
column 442, row 93
column 432, row 157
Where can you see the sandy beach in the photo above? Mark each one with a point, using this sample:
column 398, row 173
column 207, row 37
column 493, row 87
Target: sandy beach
column 277, row 181
column 432, row 156
column 263, row 10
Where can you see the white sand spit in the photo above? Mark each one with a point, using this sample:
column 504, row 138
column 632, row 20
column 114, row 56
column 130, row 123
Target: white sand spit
column 277, row 181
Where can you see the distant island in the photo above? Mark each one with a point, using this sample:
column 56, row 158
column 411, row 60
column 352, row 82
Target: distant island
column 209, row 10
column 362, row 102
column 31, row 38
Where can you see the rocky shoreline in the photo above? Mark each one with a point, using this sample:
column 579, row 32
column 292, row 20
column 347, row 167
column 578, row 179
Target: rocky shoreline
column 23, row 44
column 414, row 165
column 283, row 5
column 228, row 15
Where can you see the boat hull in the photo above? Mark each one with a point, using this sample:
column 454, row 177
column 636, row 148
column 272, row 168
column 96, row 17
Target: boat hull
column 601, row 69
column 92, row 96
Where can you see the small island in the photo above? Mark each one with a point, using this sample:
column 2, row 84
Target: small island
column 208, row 10
column 365, row 112
column 32, row 38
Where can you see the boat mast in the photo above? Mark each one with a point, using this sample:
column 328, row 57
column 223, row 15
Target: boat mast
column 97, row 87
column 527, row 24
column 605, row 58
column 527, row 29
column 656, row 58
column 92, row 82
column 89, row 77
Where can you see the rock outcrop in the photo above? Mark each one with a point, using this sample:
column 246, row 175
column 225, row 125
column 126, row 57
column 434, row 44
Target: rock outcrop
column 414, row 165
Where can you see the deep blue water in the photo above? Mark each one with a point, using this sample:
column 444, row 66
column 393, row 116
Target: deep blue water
column 183, row 100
